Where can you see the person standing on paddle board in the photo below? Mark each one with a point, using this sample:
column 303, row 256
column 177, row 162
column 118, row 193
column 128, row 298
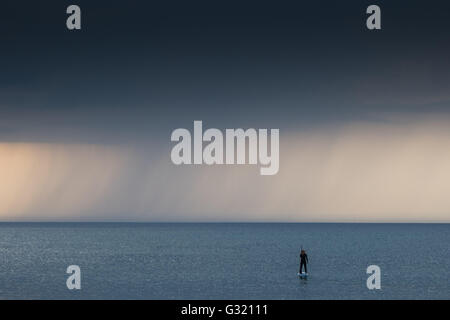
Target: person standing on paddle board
column 303, row 261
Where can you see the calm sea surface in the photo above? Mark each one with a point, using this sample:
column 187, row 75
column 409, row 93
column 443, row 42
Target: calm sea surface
column 223, row 261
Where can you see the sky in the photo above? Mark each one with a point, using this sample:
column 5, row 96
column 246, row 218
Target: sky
column 86, row 116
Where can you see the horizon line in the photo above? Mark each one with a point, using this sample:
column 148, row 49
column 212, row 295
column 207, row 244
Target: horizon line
column 230, row 222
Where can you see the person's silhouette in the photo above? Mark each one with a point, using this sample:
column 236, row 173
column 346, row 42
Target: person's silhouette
column 303, row 261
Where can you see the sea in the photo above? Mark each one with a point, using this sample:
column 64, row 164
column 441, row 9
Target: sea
column 223, row 260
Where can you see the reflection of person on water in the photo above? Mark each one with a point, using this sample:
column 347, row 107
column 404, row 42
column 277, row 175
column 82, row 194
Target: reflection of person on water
column 303, row 261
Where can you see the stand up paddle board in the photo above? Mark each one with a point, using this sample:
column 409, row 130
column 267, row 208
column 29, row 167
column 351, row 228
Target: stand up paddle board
column 302, row 275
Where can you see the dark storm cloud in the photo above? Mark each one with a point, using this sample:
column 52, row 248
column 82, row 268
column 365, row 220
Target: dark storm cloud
column 86, row 116
column 138, row 69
